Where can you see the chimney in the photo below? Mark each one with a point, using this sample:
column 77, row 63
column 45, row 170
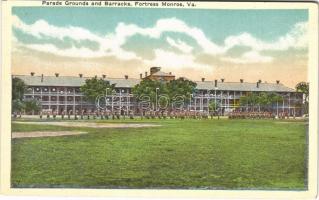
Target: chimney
column 257, row 84
column 80, row 75
column 41, row 77
column 277, row 81
column 203, row 79
column 222, row 80
column 170, row 73
column 241, row 80
column 32, row 73
column 104, row 76
column 145, row 74
column 215, row 83
column 56, row 74
column 126, row 77
column 141, row 75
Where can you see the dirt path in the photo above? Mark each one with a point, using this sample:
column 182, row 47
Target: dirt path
column 44, row 134
column 92, row 124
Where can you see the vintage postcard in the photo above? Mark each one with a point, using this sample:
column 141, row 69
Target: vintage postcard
column 159, row 99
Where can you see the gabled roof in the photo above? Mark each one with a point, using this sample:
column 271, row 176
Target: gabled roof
column 237, row 86
column 73, row 81
column 124, row 83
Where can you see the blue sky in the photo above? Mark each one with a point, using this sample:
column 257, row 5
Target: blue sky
column 218, row 24
column 147, row 36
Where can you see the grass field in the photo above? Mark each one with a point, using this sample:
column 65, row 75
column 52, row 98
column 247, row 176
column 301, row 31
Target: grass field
column 204, row 154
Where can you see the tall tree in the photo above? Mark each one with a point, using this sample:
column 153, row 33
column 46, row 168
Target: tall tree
column 153, row 89
column 264, row 100
column 303, row 88
column 18, row 89
column 94, row 88
column 244, row 101
column 181, row 87
column 150, row 89
column 277, row 99
column 17, row 105
column 213, row 106
column 250, row 100
column 32, row 106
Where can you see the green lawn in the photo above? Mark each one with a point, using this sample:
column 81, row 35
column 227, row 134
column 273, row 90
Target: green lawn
column 204, row 154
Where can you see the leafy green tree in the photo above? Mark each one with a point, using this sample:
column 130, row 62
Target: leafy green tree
column 250, row 100
column 18, row 89
column 263, row 99
column 95, row 87
column 17, row 105
column 149, row 88
column 32, row 106
column 181, row 87
column 213, row 106
column 163, row 102
column 303, row 88
column 244, row 101
column 152, row 89
column 253, row 100
column 276, row 99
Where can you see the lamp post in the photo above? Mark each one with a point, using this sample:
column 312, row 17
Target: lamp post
column 190, row 101
column 208, row 93
column 106, row 101
column 283, row 104
column 126, row 102
column 195, row 102
column 113, row 91
column 288, row 104
column 121, row 101
column 215, row 96
column 277, row 108
column 156, row 98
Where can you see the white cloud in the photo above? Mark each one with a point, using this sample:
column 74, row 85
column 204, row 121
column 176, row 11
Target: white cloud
column 172, row 60
column 42, row 28
column 180, row 45
column 248, row 58
column 124, row 31
column 81, row 52
column 295, row 38
column 111, row 43
column 107, row 46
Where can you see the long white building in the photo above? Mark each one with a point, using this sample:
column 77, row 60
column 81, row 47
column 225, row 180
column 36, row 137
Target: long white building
column 62, row 93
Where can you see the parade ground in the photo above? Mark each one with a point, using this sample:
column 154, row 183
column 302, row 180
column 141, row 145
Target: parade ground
column 156, row 153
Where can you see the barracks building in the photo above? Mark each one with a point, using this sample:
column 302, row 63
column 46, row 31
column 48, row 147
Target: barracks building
column 62, row 93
